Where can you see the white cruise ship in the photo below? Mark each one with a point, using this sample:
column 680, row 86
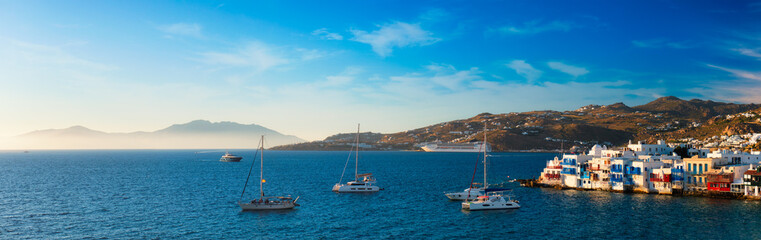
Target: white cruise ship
column 456, row 147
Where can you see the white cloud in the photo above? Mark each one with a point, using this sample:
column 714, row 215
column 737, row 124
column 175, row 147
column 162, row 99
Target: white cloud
column 739, row 73
column 182, row 29
column 537, row 26
column 568, row 69
column 260, row 56
column 324, row 34
column 748, row 52
column 442, row 76
column 524, row 69
column 397, row 34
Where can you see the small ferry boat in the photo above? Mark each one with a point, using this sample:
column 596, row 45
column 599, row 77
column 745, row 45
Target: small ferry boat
column 492, row 201
column 363, row 183
column 230, row 158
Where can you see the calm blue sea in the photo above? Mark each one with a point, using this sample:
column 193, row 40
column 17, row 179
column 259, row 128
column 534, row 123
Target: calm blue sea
column 187, row 194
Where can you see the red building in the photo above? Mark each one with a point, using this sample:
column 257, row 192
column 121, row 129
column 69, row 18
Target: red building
column 719, row 182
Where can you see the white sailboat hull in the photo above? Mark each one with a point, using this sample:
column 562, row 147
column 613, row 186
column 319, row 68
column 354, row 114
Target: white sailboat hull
column 343, row 188
column 491, row 202
column 466, row 195
column 255, row 206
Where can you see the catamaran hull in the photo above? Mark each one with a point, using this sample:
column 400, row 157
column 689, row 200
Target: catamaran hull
column 355, row 189
column 465, row 195
column 265, row 206
column 489, row 206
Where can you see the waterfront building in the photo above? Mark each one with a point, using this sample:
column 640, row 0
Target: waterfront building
column 660, row 180
column 737, row 171
column 620, row 170
column 551, row 173
column 599, row 171
column 752, row 182
column 640, row 174
column 718, row 181
column 677, row 175
column 697, row 168
column 574, row 167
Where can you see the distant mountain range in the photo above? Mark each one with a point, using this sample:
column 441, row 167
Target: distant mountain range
column 667, row 118
column 199, row 134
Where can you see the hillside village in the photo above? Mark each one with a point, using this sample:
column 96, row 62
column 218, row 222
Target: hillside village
column 699, row 123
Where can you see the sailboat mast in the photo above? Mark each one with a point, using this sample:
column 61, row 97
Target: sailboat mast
column 486, row 184
column 261, row 171
column 356, row 158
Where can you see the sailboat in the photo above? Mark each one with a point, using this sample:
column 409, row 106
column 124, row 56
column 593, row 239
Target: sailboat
column 364, row 185
column 472, row 193
column 264, row 202
column 488, row 198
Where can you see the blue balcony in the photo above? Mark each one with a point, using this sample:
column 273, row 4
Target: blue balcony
column 568, row 171
column 571, row 162
column 614, row 179
column 633, row 170
column 616, row 169
column 677, row 170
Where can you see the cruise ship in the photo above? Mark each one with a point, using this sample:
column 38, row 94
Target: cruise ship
column 456, row 147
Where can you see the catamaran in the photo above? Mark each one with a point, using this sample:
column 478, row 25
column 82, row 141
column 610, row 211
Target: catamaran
column 264, row 202
column 363, row 183
column 492, row 201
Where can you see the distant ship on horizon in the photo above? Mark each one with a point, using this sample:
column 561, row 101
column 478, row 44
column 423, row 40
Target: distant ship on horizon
column 456, row 147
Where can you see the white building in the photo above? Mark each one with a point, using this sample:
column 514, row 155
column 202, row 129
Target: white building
column 650, row 149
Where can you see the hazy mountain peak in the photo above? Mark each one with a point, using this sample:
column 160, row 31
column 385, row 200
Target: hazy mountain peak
column 194, row 134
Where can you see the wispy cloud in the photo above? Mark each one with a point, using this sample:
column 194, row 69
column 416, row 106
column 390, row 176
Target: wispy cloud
column 568, row 69
column 182, row 29
column 749, row 52
column 394, row 35
column 524, row 69
column 661, row 43
column 744, row 87
column 537, row 26
column 324, row 34
column 444, row 76
column 342, row 79
column 256, row 55
column 260, row 56
column 739, row 73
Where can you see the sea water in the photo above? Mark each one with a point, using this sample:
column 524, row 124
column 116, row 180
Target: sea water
column 190, row 194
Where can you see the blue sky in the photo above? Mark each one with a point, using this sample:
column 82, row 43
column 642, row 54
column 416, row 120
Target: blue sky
column 315, row 68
